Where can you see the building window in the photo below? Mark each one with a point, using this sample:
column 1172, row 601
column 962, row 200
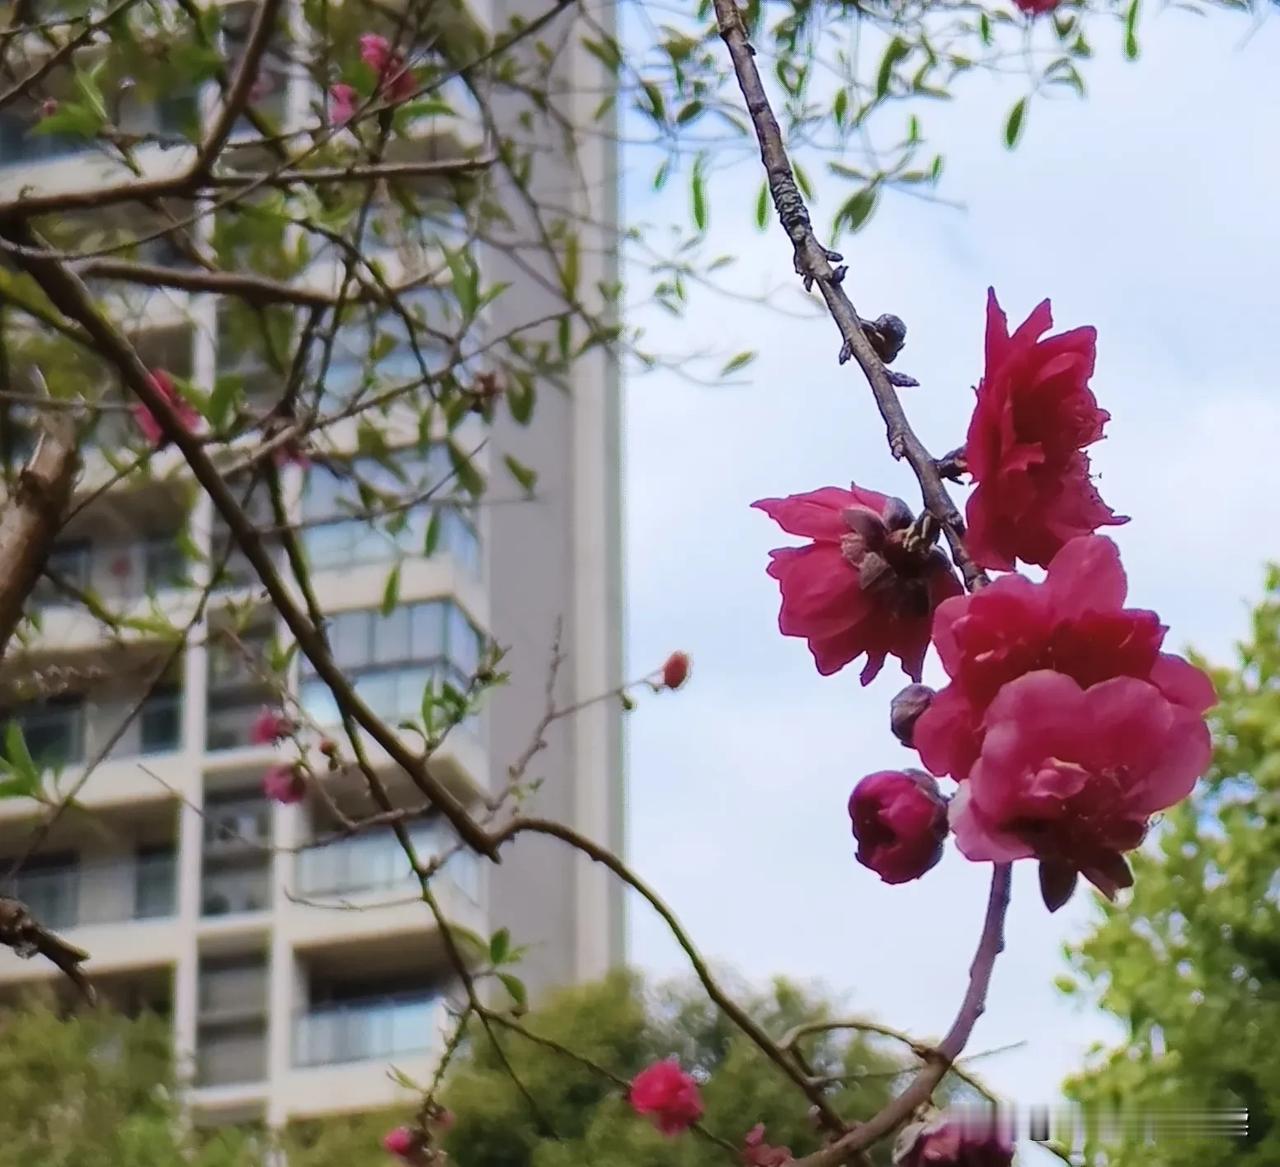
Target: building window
column 155, row 883
column 390, row 659
column 236, row 869
column 230, row 564
column 52, row 729
column 238, row 687
column 400, row 517
column 164, row 563
column 360, row 1028
column 71, row 562
column 49, row 885
column 160, row 721
column 20, row 144
column 375, row 354
column 368, row 861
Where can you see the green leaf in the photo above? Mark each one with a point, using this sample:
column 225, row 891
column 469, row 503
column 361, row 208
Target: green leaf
column 491, row 293
column 431, row 541
column 17, row 787
column 984, row 28
column 857, row 209
column 526, row 476
column 802, row 181
column 19, row 759
column 698, row 194
column 87, row 83
column 74, row 119
column 657, row 107
column 428, row 707
column 741, row 361
column 663, row 173
column 217, row 409
column 840, row 107
column 520, row 398
column 762, row 205
column 1017, row 120
column 403, row 1079
column 1131, row 30
column 474, row 940
column 391, row 592
column 515, row 986
column 194, row 61
column 465, row 279
column 689, row 113
column 499, row 945
column 897, row 51
column 605, row 51
column 469, row 478
column 569, row 273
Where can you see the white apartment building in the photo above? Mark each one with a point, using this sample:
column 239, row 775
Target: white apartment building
column 296, row 977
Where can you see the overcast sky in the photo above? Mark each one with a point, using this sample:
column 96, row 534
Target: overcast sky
column 1148, row 211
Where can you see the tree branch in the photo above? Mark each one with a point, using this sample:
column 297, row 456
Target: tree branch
column 813, row 263
column 990, row 945
column 237, row 97
column 69, row 295
column 31, row 518
column 727, row 1005
column 22, row 932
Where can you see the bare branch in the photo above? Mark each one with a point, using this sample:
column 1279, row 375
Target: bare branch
column 31, row 519
column 814, row 265
column 237, row 97
column 22, row 932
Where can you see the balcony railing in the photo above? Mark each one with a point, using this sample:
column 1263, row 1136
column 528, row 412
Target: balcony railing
column 357, row 1031
column 360, row 864
column 81, row 894
column 376, row 861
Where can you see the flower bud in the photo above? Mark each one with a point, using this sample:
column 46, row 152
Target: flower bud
column 905, row 710
column 399, row 1141
column 285, row 784
column 48, row 107
column 269, row 727
column 900, row 822
column 675, row 671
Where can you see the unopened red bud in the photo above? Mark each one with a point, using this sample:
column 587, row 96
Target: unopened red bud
column 401, row 1142
column 899, row 819
column 676, row 670
column 905, row 710
column 49, row 107
column 328, row 747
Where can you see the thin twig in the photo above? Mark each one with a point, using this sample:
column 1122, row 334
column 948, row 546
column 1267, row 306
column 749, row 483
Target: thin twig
column 814, row 264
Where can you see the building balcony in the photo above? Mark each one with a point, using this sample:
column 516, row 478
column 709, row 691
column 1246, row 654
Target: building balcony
column 371, row 873
column 120, row 911
column 63, row 733
column 80, row 894
column 380, row 1029
column 342, row 1055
